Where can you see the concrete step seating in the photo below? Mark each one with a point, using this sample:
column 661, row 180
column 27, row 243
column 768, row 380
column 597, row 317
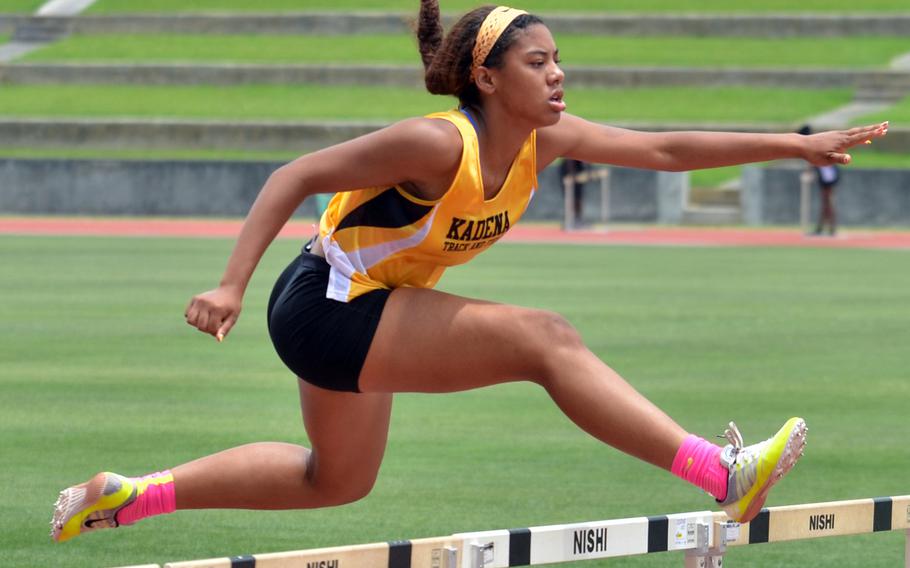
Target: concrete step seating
column 881, row 87
column 41, row 30
column 692, row 25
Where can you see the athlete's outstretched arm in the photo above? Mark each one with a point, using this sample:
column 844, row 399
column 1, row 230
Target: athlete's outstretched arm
column 580, row 139
column 416, row 150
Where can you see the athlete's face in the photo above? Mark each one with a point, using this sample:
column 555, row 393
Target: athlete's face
column 531, row 80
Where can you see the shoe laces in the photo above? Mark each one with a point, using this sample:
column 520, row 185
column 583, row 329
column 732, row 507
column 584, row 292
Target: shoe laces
column 740, row 455
column 733, row 436
column 741, row 460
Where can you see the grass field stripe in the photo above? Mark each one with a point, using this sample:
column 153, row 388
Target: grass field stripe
column 758, row 528
column 243, row 562
column 519, row 547
column 881, row 520
column 658, row 533
column 400, row 554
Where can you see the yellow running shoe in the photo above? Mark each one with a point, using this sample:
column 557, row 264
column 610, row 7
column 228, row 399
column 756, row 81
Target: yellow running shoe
column 755, row 469
column 91, row 506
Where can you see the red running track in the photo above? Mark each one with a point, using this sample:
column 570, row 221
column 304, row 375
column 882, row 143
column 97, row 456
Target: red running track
column 531, row 233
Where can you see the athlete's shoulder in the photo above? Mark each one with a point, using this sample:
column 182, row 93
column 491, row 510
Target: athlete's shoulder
column 418, row 150
column 433, row 145
column 432, row 135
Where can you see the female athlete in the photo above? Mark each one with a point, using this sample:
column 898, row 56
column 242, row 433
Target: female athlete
column 356, row 318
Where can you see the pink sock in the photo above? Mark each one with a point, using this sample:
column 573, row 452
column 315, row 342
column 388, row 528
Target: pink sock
column 156, row 497
column 698, row 462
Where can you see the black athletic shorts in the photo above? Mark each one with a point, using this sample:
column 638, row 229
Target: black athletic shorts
column 323, row 341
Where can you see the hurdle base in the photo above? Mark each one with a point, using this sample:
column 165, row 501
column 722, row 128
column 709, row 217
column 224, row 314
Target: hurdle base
column 710, row 560
column 704, row 555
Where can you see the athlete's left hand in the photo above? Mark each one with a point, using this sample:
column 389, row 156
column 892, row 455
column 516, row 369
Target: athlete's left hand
column 215, row 312
column 828, row 148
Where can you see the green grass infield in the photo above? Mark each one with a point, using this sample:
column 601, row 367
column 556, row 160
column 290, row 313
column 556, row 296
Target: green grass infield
column 669, row 6
column 742, row 105
column 100, row 372
column 401, row 49
column 19, row 6
column 898, row 115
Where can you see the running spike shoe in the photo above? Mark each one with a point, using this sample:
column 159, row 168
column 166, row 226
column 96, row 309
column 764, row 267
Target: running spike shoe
column 91, row 506
column 755, row 469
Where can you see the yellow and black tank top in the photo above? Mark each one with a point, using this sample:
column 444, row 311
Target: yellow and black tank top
column 384, row 237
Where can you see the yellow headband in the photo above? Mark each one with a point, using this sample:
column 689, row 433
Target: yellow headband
column 495, row 23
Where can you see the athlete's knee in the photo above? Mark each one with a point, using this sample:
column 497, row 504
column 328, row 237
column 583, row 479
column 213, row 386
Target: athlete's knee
column 557, row 341
column 340, row 488
column 559, row 333
column 344, row 493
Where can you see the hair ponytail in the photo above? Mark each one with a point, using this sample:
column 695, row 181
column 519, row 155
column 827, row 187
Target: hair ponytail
column 429, row 31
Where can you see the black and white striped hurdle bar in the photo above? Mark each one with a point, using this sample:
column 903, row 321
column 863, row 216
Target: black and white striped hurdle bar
column 702, row 535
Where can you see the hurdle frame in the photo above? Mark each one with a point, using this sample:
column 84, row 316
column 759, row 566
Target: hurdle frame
column 570, row 223
column 806, row 181
column 703, row 537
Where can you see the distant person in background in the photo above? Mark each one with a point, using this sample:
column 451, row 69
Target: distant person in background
column 573, row 169
column 828, row 176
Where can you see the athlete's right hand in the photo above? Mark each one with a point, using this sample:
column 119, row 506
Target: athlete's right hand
column 215, row 312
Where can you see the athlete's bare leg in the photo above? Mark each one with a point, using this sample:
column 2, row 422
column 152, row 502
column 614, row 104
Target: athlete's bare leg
column 429, row 341
column 347, row 435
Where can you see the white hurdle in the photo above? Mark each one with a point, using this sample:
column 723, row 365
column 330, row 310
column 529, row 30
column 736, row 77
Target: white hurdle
column 702, row 536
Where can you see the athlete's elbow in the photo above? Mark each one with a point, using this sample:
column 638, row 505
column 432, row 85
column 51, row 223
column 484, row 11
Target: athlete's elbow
column 293, row 178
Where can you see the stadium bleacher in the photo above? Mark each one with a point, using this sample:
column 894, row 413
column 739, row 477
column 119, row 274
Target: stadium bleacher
column 167, row 70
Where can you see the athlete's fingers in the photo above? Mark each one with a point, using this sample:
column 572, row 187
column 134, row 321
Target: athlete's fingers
column 192, row 312
column 836, row 158
column 859, row 130
column 880, row 131
column 216, row 318
column 865, row 134
column 202, row 321
column 225, row 327
column 855, row 136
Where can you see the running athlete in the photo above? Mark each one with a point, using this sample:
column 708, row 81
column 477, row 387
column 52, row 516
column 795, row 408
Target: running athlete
column 355, row 316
